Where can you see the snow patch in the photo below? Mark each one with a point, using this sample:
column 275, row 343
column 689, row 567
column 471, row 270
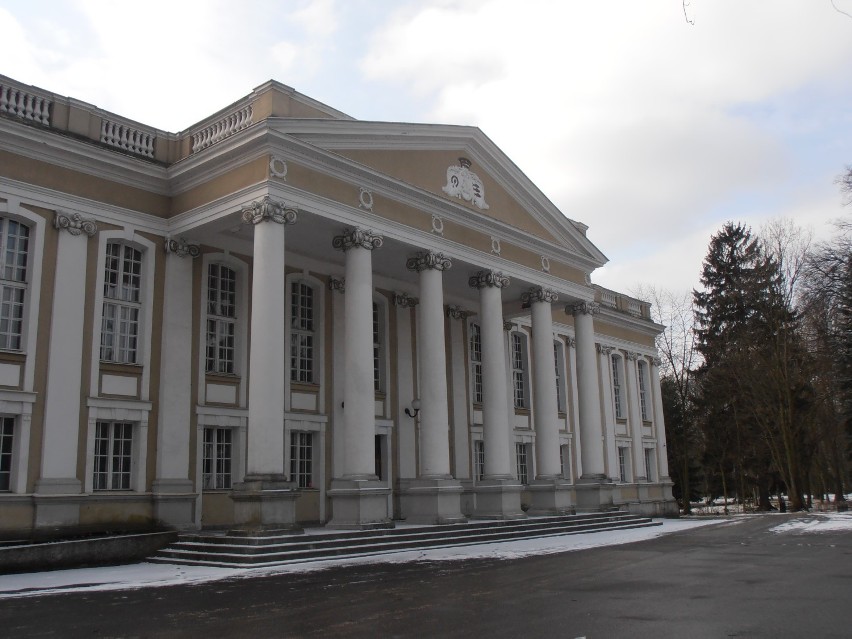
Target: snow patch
column 828, row 522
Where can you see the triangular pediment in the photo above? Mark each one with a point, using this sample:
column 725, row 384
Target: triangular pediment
column 458, row 164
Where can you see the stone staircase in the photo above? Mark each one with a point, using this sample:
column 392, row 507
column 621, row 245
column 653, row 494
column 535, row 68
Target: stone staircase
column 270, row 549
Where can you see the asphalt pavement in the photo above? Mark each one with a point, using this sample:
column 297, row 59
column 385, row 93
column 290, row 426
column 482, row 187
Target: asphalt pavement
column 735, row 579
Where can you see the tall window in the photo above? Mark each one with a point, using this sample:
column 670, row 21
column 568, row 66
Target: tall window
column 476, row 361
column 519, row 369
column 122, row 292
column 302, row 459
column 302, row 332
column 14, row 246
column 622, row 463
column 113, row 455
column 617, row 395
column 521, row 460
column 649, row 464
column 7, row 431
column 479, row 459
column 559, row 362
column 221, row 318
column 218, row 446
column 565, row 460
column 378, row 348
column 643, row 404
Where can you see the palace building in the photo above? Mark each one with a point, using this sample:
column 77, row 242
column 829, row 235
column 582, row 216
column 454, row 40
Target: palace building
column 284, row 316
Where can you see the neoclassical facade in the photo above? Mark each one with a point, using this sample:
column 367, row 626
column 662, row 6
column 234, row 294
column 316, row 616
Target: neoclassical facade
column 284, row 316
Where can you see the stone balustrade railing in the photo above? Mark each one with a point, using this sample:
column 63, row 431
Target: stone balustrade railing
column 221, row 129
column 608, row 298
column 634, row 308
column 22, row 103
column 623, row 303
column 127, row 138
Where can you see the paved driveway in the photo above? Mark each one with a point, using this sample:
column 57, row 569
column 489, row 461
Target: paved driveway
column 735, row 579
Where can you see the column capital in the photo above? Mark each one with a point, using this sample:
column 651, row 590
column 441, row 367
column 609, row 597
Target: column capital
column 572, row 342
column 74, row 223
column 656, row 361
column 539, row 294
column 633, row 356
column 582, row 308
column 365, row 238
column 483, row 279
column 457, row 312
column 337, row 284
column 605, row 350
column 428, row 260
column 180, row 247
column 405, row 300
column 268, row 209
column 509, row 326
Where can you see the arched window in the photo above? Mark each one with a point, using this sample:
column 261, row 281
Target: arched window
column 221, row 318
column 617, row 386
column 122, row 303
column 14, row 250
column 476, row 362
column 303, row 332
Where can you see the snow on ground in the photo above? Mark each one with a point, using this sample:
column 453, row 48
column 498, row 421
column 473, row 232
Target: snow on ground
column 823, row 522
column 145, row 575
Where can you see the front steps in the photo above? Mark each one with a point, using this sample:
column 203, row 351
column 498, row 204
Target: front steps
column 234, row 551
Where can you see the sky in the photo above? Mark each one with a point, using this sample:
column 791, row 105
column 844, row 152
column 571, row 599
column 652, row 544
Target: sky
column 651, row 122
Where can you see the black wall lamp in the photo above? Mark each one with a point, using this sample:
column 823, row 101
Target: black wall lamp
column 414, row 410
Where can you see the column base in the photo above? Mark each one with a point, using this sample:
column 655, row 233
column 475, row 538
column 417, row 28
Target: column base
column 174, row 503
column 359, row 504
column 431, row 501
column 57, row 503
column 593, row 493
column 551, row 497
column 498, row 499
column 263, row 503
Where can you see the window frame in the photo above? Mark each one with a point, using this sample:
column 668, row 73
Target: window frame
column 650, row 463
column 122, row 352
column 475, row 358
column 618, row 387
column 295, row 310
column 125, row 455
column 478, row 459
column 8, row 438
column 221, row 320
column 522, row 462
column 623, row 456
column 302, row 467
column 217, row 468
column 561, row 386
column 520, row 364
column 11, row 340
column 641, row 374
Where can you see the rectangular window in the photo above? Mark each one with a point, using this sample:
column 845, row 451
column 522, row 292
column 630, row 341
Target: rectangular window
column 519, row 370
column 559, row 363
column 218, row 447
column 122, row 294
column 7, row 432
column 622, row 463
column 302, row 332
column 476, row 362
column 113, row 455
column 378, row 377
column 302, row 459
column 479, row 459
column 221, row 318
column 565, row 460
column 14, row 247
column 616, row 386
column 521, row 459
column 643, row 404
column 649, row 464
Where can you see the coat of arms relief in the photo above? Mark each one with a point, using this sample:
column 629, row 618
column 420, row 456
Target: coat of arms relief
column 465, row 184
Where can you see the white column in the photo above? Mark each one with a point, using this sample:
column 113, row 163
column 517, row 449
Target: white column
column 65, row 359
column 588, row 391
column 605, row 353
column 659, row 422
column 406, row 437
column 458, row 388
column 432, row 366
column 495, row 406
column 635, row 416
column 173, row 429
column 266, row 364
column 359, row 411
column 545, row 403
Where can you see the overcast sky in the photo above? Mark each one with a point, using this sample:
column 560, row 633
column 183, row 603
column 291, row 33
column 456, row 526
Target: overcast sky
column 651, row 130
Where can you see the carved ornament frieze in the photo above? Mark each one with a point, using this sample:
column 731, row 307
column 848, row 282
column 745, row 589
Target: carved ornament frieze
column 465, row 184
